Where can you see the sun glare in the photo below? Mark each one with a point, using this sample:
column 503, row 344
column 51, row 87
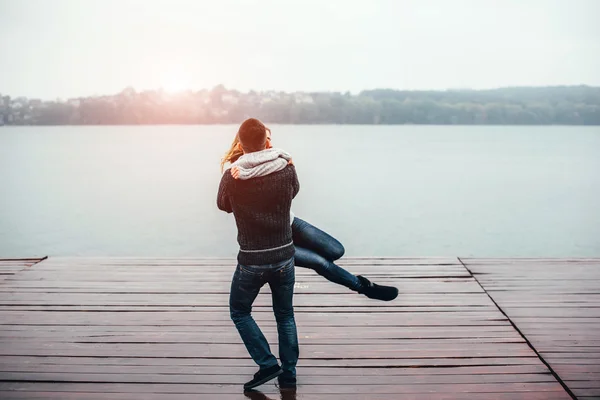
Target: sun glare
column 175, row 81
column 175, row 85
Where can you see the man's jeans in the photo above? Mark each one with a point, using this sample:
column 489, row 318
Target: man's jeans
column 246, row 283
column 318, row 250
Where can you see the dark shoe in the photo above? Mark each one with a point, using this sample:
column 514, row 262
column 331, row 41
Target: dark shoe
column 375, row 291
column 263, row 376
column 287, row 382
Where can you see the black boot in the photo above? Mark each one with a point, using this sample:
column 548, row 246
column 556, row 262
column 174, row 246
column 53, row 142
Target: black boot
column 375, row 291
column 263, row 376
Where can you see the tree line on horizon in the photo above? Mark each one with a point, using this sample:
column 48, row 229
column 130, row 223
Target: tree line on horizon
column 558, row 105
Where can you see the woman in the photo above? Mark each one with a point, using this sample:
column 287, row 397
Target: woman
column 315, row 249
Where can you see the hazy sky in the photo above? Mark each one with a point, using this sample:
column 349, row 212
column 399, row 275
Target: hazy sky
column 67, row 48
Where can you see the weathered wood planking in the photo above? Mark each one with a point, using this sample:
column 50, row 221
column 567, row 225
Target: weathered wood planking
column 159, row 328
column 10, row 266
column 556, row 305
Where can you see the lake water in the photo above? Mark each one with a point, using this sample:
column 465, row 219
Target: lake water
column 381, row 190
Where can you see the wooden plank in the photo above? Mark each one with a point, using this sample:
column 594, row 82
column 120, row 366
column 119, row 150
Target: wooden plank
column 133, row 327
column 528, row 260
column 26, row 366
column 307, row 389
column 231, row 260
column 229, row 336
column 10, row 267
column 283, row 395
column 370, row 351
column 408, row 285
column 30, row 259
column 11, row 317
column 239, row 379
column 346, row 298
column 390, row 309
column 556, row 305
column 243, row 360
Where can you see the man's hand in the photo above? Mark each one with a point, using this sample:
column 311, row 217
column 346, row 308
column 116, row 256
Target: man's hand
column 235, row 172
column 290, row 162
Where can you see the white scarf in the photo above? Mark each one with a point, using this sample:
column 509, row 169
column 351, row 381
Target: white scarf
column 261, row 163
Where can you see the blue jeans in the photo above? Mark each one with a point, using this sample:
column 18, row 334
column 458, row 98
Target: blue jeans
column 247, row 282
column 318, row 250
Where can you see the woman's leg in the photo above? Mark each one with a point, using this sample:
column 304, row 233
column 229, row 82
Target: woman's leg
column 317, row 250
column 307, row 258
column 312, row 238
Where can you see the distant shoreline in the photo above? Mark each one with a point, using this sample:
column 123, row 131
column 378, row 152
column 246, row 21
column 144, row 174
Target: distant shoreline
column 288, row 124
column 556, row 105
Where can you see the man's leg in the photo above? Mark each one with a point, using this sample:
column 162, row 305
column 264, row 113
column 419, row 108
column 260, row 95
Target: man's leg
column 244, row 288
column 282, row 288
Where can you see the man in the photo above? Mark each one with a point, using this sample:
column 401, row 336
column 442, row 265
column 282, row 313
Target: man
column 261, row 207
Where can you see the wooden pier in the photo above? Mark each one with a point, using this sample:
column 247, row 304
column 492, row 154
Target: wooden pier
column 159, row 328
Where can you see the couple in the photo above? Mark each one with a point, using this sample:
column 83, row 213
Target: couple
column 258, row 189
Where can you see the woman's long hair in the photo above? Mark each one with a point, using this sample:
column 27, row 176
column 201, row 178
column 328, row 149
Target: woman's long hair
column 233, row 154
column 235, row 151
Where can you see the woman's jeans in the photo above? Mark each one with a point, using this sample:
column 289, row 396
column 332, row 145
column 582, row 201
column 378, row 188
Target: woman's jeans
column 247, row 282
column 318, row 250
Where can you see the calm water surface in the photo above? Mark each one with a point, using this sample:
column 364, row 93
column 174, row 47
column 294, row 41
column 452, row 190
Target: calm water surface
column 383, row 191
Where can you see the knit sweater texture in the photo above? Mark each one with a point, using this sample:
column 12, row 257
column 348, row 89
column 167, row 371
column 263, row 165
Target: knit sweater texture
column 261, row 207
column 261, row 163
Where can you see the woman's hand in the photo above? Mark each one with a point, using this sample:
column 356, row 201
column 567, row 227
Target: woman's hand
column 290, row 162
column 235, row 172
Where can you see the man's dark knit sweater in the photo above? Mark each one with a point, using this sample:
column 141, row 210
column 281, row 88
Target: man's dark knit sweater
column 261, row 207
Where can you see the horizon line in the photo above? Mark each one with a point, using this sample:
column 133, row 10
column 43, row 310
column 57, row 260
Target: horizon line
column 262, row 91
